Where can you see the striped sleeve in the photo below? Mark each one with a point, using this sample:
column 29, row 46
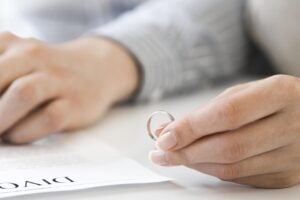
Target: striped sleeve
column 181, row 45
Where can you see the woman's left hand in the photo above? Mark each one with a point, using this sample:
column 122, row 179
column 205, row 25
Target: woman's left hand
column 49, row 88
column 250, row 134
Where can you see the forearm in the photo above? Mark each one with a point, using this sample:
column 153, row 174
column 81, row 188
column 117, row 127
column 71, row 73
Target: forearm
column 182, row 45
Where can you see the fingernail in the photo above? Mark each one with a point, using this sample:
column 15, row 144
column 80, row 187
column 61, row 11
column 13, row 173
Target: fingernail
column 158, row 131
column 159, row 158
column 166, row 141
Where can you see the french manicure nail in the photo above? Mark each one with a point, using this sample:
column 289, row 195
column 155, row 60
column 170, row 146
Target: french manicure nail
column 166, row 141
column 159, row 158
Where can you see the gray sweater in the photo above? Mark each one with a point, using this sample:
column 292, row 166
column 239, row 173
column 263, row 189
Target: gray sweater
column 180, row 44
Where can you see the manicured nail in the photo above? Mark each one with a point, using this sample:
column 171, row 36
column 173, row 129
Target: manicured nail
column 159, row 158
column 158, row 131
column 166, row 141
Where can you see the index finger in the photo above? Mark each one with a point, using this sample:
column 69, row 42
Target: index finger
column 225, row 114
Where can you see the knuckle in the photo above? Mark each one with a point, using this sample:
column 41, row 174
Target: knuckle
column 7, row 36
column 286, row 83
column 188, row 126
column 228, row 172
column 34, row 49
column 25, row 91
column 228, row 114
column 55, row 117
column 232, row 151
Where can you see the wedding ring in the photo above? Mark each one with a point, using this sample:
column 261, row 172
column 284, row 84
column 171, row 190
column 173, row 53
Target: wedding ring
column 159, row 112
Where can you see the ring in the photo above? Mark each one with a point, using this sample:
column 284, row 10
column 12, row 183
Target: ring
column 159, row 112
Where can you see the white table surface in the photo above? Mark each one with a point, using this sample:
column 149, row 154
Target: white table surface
column 124, row 129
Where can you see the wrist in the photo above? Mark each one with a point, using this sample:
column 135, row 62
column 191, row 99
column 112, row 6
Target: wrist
column 115, row 65
column 124, row 69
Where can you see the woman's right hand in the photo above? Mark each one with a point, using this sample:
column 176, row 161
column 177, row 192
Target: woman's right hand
column 250, row 134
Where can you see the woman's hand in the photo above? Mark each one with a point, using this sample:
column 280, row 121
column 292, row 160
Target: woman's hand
column 250, row 134
column 50, row 88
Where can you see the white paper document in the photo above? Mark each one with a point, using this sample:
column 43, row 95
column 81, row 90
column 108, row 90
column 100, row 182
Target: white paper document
column 75, row 164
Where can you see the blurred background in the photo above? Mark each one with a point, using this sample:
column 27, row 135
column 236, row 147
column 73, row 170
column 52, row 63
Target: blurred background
column 11, row 21
column 3, row 12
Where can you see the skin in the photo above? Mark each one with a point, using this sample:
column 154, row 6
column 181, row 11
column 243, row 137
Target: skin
column 250, row 134
column 49, row 88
